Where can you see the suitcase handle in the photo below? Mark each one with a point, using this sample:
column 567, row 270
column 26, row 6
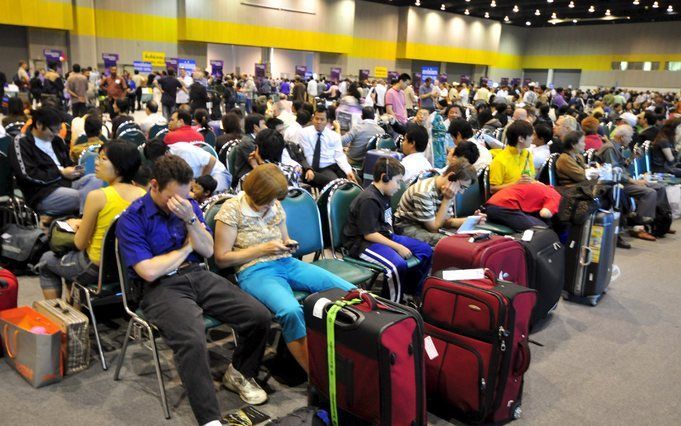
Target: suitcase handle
column 522, row 362
column 10, row 353
column 364, row 295
column 587, row 255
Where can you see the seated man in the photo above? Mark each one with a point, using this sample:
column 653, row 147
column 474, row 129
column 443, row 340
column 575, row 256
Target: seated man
column 357, row 139
column 253, row 124
column 50, row 181
column 93, row 136
column 153, row 118
column 324, row 152
column 461, row 131
column 523, row 205
column 368, row 233
column 428, row 205
column 163, row 239
column 514, row 163
column 540, row 145
column 413, row 147
column 181, row 130
column 121, row 110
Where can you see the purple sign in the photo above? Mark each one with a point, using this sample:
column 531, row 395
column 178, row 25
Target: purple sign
column 443, row 77
column 301, row 70
column 527, row 81
column 503, row 81
column 260, row 70
column 393, row 75
column 465, row 79
column 515, row 82
column 52, row 55
column 216, row 68
column 110, row 59
column 335, row 74
column 171, row 63
column 363, row 75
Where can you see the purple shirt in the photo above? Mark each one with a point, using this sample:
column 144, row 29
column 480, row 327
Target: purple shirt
column 558, row 100
column 397, row 101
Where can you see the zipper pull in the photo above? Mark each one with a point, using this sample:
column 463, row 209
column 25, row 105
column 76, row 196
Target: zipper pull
column 502, row 335
column 483, row 384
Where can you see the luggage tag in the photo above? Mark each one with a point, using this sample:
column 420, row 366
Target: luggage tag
column 527, row 235
column 430, row 348
column 463, row 274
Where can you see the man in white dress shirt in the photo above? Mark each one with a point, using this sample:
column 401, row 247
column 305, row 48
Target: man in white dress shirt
column 324, row 152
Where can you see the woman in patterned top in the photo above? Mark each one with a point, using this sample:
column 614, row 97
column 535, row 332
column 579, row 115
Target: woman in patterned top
column 251, row 236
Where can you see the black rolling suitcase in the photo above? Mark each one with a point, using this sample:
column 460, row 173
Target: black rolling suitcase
column 545, row 260
column 590, row 251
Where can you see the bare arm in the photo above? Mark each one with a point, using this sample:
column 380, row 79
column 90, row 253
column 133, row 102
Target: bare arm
column 668, row 154
column 94, row 203
column 152, row 269
column 225, row 256
column 440, row 217
column 199, row 238
column 208, row 167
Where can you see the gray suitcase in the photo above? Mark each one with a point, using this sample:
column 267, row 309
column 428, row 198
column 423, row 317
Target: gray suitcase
column 75, row 345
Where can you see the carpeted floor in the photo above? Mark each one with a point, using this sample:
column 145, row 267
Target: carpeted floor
column 615, row 364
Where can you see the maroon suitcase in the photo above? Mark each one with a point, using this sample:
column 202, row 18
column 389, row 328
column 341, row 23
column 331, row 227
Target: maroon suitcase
column 9, row 292
column 477, row 346
column 380, row 377
column 503, row 256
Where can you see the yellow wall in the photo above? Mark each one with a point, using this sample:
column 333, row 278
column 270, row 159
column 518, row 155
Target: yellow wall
column 37, row 13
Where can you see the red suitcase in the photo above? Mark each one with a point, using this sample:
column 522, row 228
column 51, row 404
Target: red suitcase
column 477, row 346
column 503, row 256
column 9, row 292
column 379, row 360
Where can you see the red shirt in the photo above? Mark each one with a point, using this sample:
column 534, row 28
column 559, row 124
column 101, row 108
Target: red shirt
column 527, row 197
column 593, row 141
column 183, row 134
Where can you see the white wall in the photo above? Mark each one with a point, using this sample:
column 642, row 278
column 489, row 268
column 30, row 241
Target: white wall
column 244, row 57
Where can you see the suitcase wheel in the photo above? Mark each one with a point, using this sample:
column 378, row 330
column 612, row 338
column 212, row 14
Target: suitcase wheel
column 566, row 295
column 517, row 411
column 593, row 300
column 605, row 290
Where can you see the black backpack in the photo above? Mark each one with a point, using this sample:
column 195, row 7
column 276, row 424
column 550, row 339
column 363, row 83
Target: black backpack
column 304, row 416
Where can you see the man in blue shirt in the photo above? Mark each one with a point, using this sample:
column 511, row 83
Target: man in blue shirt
column 163, row 238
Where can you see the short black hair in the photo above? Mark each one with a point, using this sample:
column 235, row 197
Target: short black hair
column 143, row 175
column 93, row 126
column 368, row 113
column 124, row 157
column 270, row 145
column 273, row 122
column 404, row 77
column 76, row 68
column 518, row 129
column 184, row 116
column 543, row 132
column 207, row 182
column 308, row 107
column 123, row 105
column 155, row 149
column 467, row 150
column 484, row 116
column 297, row 105
column 651, row 118
column 15, row 106
column 321, row 108
column 170, row 168
column 47, row 116
column 251, row 121
column 202, row 117
column 418, row 135
column 462, row 127
column 303, row 117
column 388, row 166
column 152, row 106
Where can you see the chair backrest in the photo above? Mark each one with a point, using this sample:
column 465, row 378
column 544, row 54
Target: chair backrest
column 303, row 221
column 14, row 128
column 208, row 137
column 548, row 175
column 130, row 131
column 373, row 142
column 397, row 196
column 157, row 130
column 124, row 280
column 108, row 269
column 424, row 175
column 213, row 208
column 647, row 152
column 206, row 147
column 338, row 209
column 468, row 202
column 231, row 160
column 386, row 143
column 6, row 184
column 88, row 158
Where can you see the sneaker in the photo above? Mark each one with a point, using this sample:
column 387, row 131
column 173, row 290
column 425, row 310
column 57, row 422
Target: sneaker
column 249, row 391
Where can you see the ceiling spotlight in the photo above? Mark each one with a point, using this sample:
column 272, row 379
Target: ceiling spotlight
column 571, row 5
column 466, row 12
column 468, row 1
column 607, row 12
column 670, row 9
column 553, row 16
column 506, row 19
column 592, row 9
column 537, row 12
column 574, row 21
column 442, row 7
column 515, row 8
column 417, row 3
column 486, row 14
column 636, row 2
column 528, row 23
column 655, row 5
column 549, row 1
column 493, row 4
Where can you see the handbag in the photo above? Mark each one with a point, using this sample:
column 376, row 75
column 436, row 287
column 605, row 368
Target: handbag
column 61, row 241
column 22, row 245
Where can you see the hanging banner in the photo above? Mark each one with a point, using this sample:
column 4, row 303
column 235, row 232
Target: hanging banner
column 363, row 75
column 429, row 72
column 142, row 66
column 465, row 79
column 157, row 59
column 393, row 75
column 515, row 82
column 54, row 59
column 171, row 63
column 260, row 70
column 216, row 68
column 503, row 81
column 110, row 60
column 527, row 81
column 335, row 74
column 381, row 72
column 443, row 77
column 186, row 64
column 301, row 70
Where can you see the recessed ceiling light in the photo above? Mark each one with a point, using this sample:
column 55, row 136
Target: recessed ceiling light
column 553, row 16
column 515, row 8
column 636, row 2
column 549, row 1
column 493, row 4
column 670, row 9
column 506, row 19
column 574, row 21
column 537, row 12
column 655, row 5
column 607, row 12
column 468, row 1
column 442, row 7
column 417, row 3
column 592, row 9
column 528, row 23
column 571, row 5
column 486, row 14
column 466, row 12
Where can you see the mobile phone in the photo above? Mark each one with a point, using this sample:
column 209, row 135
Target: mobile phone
column 80, row 168
column 292, row 246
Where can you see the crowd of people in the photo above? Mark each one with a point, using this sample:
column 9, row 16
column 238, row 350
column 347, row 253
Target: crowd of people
column 309, row 133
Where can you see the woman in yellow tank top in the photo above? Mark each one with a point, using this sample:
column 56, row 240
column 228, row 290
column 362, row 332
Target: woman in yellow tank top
column 117, row 165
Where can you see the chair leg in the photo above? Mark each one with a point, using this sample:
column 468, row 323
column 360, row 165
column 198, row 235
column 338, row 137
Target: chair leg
column 88, row 299
column 157, row 364
column 123, row 349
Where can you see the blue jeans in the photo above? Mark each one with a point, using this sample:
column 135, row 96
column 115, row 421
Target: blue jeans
column 64, row 200
column 397, row 277
column 73, row 266
column 273, row 282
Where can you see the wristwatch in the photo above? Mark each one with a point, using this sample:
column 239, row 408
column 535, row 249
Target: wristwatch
column 192, row 220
